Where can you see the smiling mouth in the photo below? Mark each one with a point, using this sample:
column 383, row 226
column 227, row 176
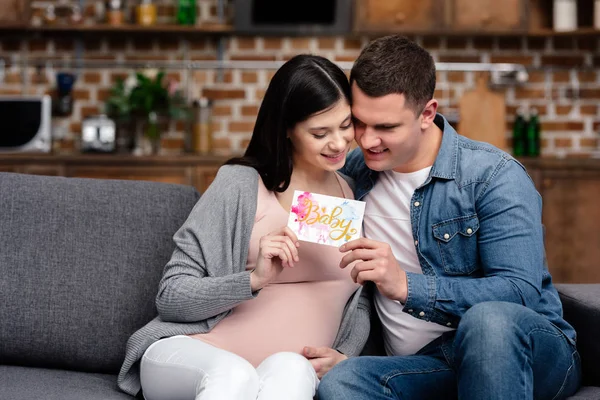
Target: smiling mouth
column 377, row 151
column 333, row 155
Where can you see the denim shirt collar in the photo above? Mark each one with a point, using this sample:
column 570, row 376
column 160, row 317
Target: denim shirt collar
column 446, row 162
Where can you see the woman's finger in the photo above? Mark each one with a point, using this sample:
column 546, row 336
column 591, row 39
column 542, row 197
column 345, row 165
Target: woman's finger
column 290, row 233
column 288, row 242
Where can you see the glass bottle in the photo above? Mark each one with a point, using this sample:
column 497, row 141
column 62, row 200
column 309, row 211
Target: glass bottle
column 519, row 127
column 533, row 134
column 186, row 12
column 202, row 132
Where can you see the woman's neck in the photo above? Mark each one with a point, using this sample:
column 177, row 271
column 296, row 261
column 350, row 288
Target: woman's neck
column 324, row 182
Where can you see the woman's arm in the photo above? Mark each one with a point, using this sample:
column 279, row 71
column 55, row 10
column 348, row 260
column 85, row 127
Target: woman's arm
column 206, row 274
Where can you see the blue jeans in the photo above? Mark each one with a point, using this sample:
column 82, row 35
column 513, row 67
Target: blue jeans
column 500, row 351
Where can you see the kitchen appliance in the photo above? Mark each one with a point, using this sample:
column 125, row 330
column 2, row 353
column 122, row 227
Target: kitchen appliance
column 98, row 133
column 293, row 17
column 26, row 123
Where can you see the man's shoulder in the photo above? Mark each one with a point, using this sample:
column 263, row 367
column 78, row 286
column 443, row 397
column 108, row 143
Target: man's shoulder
column 355, row 162
column 480, row 161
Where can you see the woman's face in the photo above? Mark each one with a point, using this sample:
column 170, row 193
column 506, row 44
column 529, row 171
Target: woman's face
column 322, row 141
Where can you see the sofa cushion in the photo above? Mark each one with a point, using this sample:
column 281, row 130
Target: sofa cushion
column 581, row 306
column 80, row 262
column 586, row 393
column 19, row 383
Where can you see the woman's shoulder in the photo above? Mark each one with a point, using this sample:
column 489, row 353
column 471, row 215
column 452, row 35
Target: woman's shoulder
column 236, row 172
column 235, row 177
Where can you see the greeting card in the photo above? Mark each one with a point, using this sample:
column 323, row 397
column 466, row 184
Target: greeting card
column 325, row 219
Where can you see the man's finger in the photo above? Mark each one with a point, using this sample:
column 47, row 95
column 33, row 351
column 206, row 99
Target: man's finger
column 361, row 243
column 361, row 267
column 366, row 276
column 316, row 365
column 358, row 254
column 314, row 352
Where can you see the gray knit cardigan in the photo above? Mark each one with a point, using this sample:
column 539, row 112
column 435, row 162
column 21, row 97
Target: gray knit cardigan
column 206, row 276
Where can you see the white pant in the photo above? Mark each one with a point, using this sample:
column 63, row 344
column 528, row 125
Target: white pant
column 182, row 368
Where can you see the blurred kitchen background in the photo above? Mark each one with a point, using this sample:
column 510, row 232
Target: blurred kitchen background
column 167, row 90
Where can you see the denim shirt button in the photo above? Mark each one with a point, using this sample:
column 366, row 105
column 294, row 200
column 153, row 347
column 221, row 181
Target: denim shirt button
column 417, row 204
column 410, row 310
column 449, row 324
column 446, row 236
column 422, row 313
column 469, row 231
column 416, row 242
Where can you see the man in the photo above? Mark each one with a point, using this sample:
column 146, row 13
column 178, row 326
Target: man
column 454, row 245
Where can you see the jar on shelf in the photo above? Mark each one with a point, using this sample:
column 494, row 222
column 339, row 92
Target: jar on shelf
column 146, row 13
column 564, row 16
column 115, row 14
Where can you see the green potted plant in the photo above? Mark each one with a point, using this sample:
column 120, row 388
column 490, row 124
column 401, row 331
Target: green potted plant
column 146, row 99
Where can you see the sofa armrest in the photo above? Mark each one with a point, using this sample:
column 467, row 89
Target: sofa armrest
column 581, row 306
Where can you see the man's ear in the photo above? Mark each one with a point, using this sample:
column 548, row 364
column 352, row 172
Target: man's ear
column 428, row 114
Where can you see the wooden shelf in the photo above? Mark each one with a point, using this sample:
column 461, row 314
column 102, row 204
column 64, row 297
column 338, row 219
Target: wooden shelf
column 116, row 159
column 582, row 32
column 126, row 28
column 222, row 29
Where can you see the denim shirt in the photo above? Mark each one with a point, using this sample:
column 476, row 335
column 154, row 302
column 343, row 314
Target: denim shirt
column 477, row 229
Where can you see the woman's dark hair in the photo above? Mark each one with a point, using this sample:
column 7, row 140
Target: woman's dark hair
column 303, row 86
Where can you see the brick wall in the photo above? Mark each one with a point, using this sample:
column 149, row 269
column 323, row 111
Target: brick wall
column 564, row 82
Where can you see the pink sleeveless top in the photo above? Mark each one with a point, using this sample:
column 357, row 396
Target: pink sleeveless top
column 302, row 307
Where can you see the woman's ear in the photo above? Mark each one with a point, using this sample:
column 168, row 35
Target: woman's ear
column 428, row 114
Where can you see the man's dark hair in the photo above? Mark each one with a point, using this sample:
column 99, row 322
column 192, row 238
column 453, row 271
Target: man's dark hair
column 396, row 65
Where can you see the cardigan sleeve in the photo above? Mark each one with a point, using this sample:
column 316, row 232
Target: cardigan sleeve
column 206, row 274
column 356, row 323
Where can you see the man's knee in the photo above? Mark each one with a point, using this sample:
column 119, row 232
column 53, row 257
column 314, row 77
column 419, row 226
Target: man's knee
column 491, row 316
column 340, row 377
column 490, row 325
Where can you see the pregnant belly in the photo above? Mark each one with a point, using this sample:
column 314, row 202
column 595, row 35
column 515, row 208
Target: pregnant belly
column 283, row 317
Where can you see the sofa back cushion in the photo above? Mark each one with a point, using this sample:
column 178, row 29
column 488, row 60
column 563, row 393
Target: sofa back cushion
column 80, row 262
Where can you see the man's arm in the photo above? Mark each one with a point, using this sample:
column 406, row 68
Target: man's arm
column 511, row 251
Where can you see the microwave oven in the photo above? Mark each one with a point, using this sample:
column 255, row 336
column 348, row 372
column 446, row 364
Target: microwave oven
column 306, row 17
column 25, row 124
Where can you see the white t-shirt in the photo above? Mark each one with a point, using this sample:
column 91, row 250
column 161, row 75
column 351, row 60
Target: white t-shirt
column 387, row 219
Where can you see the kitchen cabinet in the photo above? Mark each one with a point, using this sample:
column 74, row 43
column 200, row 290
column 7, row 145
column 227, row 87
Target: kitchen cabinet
column 397, row 15
column 481, row 15
column 570, row 192
column 14, row 12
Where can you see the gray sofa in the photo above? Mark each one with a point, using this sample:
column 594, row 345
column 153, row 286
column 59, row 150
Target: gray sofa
column 80, row 261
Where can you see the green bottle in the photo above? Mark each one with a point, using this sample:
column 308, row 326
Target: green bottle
column 533, row 134
column 186, row 12
column 519, row 127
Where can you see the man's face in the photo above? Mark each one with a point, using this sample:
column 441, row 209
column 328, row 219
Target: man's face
column 387, row 131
